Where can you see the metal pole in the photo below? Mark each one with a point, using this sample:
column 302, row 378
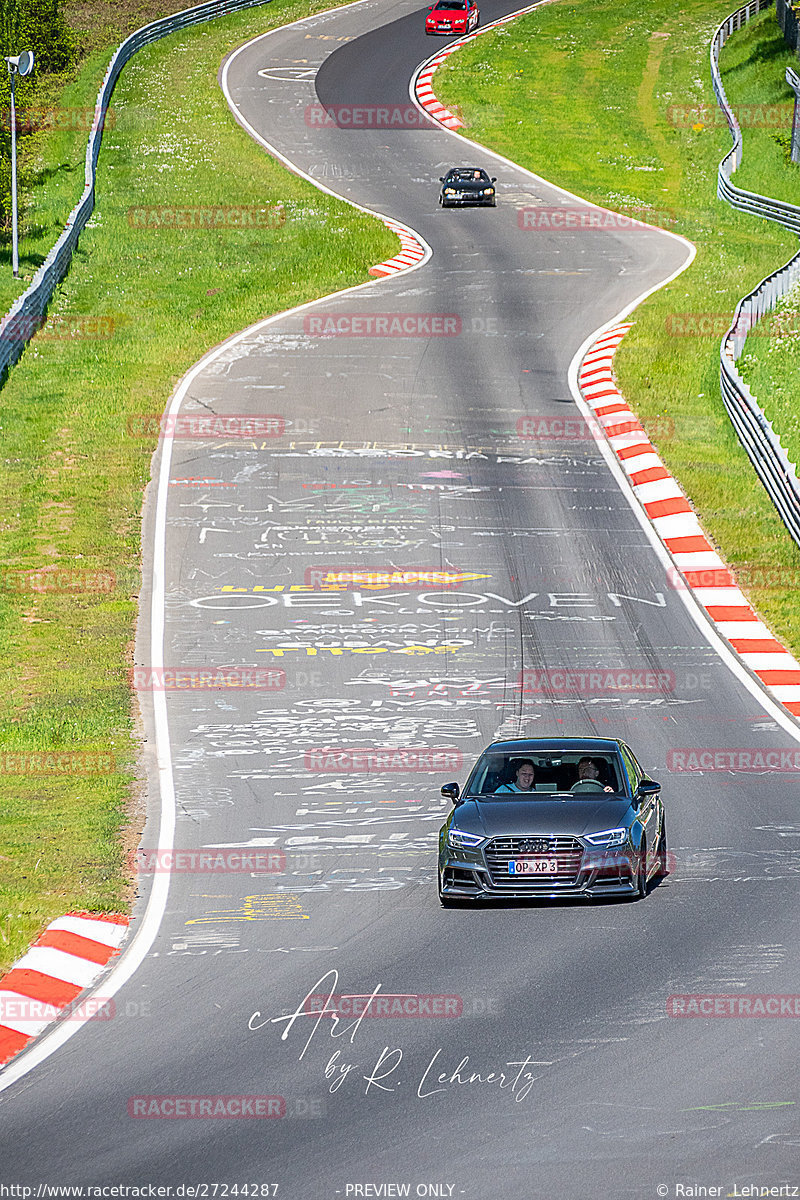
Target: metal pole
column 14, row 228
column 793, row 80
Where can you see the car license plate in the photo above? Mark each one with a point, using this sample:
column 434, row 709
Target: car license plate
column 533, row 866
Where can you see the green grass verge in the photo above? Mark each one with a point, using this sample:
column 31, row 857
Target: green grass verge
column 598, row 97
column 51, row 161
column 755, row 69
column 771, row 367
column 71, row 491
column 51, row 170
column 754, row 63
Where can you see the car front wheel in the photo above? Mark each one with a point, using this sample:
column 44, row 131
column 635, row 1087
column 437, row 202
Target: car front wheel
column 640, row 884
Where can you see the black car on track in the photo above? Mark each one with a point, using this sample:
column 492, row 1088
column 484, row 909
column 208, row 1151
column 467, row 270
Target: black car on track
column 551, row 817
column 467, row 185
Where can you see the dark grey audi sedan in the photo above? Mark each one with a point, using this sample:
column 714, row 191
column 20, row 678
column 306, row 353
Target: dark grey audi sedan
column 550, row 817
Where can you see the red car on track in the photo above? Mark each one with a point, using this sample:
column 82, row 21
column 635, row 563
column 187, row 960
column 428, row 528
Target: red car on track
column 452, row 16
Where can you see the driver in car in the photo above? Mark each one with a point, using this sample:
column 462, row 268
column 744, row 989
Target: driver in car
column 588, row 770
column 524, row 778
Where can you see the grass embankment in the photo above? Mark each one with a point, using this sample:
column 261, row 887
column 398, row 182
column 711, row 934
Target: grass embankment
column 755, row 68
column 51, row 160
column 71, row 490
column 613, row 101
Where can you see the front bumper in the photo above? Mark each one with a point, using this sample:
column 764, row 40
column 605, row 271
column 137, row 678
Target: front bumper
column 446, row 32
column 476, row 198
column 466, row 875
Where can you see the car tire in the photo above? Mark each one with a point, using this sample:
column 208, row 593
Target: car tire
column 662, row 850
column 640, row 884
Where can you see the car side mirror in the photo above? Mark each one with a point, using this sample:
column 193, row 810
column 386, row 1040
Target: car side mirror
column 647, row 788
column 451, row 790
column 494, row 179
column 441, row 179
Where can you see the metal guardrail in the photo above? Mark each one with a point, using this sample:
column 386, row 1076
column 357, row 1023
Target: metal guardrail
column 755, row 432
column 787, row 19
column 27, row 313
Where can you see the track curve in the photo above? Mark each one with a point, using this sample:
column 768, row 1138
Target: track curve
column 403, row 451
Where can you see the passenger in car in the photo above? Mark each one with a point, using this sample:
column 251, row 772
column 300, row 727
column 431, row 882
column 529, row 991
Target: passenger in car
column 524, row 778
column 588, row 769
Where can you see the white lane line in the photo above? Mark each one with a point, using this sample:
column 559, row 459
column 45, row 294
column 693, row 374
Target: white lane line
column 596, row 350
column 145, row 931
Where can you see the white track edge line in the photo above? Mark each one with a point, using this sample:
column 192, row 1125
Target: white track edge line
column 691, row 602
column 132, row 955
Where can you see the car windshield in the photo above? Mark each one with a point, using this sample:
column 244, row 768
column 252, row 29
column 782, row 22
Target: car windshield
column 467, row 175
column 449, row 5
column 539, row 774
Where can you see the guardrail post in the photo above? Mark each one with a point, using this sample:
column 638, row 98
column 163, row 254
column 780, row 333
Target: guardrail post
column 759, row 440
column 793, row 80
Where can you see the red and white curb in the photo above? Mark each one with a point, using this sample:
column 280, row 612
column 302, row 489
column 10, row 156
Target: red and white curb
column 698, row 566
column 422, row 90
column 411, row 251
column 70, row 956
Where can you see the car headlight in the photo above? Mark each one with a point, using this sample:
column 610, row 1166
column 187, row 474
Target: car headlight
column 608, row 837
column 488, row 191
column 449, row 191
column 464, row 841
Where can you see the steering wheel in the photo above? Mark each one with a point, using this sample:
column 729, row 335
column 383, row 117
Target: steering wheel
column 588, row 785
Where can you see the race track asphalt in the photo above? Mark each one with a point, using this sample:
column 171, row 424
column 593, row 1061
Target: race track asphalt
column 403, row 451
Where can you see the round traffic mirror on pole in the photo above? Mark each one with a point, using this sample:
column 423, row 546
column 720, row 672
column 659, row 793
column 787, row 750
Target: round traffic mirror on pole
column 18, row 64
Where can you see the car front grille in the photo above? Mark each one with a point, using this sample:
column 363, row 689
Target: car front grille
column 567, row 850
